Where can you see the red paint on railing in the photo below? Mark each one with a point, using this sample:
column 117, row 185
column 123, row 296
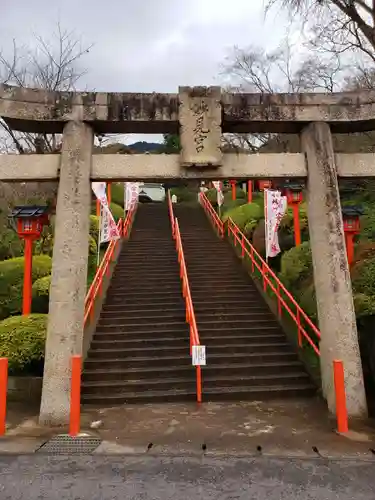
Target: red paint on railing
column 215, row 219
column 190, row 315
column 3, row 394
column 75, row 396
column 104, row 267
column 269, row 278
column 341, row 411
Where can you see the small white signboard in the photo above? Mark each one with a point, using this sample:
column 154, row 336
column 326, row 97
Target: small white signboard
column 199, row 355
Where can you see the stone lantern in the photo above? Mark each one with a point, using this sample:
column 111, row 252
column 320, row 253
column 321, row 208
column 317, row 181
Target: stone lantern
column 28, row 222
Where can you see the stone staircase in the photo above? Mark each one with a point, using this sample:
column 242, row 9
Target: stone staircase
column 140, row 350
column 248, row 355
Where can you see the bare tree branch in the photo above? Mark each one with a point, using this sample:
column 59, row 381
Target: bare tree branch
column 53, row 65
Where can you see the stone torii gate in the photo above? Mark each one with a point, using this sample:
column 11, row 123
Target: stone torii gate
column 200, row 115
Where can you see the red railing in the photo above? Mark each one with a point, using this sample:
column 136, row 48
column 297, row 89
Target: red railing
column 285, row 300
column 190, row 315
column 104, row 267
column 213, row 216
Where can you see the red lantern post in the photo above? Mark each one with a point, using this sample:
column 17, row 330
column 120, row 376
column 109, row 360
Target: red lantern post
column 294, row 197
column 234, row 191
column 109, row 192
column 28, row 222
column 352, row 227
column 249, row 191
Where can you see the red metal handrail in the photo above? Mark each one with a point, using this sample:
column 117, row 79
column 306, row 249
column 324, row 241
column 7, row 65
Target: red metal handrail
column 104, row 267
column 270, row 279
column 190, row 315
column 210, row 211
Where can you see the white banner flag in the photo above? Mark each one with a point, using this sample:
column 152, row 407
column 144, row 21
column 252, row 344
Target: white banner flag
column 220, row 195
column 131, row 194
column 99, row 189
column 108, row 228
column 275, row 208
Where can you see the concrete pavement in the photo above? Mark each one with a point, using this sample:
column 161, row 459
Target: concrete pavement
column 35, row 477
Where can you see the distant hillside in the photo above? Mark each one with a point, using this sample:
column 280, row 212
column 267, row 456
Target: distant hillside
column 143, row 146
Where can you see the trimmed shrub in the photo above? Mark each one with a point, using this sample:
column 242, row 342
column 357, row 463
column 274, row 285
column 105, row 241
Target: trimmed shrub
column 363, row 277
column 296, row 266
column 11, row 281
column 240, row 194
column 117, row 211
column 212, row 195
column 41, row 295
column 11, row 244
column 185, row 194
column 243, row 215
column 287, row 221
column 117, row 194
column 94, row 227
column 22, row 341
column 229, row 205
column 93, row 246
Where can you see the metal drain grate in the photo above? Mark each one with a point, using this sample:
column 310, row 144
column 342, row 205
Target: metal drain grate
column 67, row 445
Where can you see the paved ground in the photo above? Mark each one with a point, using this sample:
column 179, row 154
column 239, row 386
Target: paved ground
column 287, row 428
column 107, row 478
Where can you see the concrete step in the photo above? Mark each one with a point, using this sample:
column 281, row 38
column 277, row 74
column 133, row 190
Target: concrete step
column 149, row 306
column 121, row 318
column 128, row 361
column 145, row 315
column 119, row 334
column 134, row 327
column 101, row 373
column 244, row 393
column 141, row 343
column 121, row 295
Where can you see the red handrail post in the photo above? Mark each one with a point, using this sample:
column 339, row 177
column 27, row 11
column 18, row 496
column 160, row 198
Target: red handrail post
column 298, row 316
column 3, row 394
column 199, row 384
column 75, row 396
column 279, row 308
column 341, row 412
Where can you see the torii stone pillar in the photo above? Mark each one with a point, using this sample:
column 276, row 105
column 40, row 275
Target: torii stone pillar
column 336, row 313
column 69, row 272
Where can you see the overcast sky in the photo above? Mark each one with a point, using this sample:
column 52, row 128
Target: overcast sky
column 146, row 45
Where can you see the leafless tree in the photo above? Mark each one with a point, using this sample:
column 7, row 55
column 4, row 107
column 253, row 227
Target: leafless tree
column 53, row 64
column 283, row 69
column 340, row 26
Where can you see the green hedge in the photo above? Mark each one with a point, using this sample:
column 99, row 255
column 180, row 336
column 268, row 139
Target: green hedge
column 11, row 281
column 117, row 194
column 11, row 245
column 41, row 295
column 184, row 194
column 244, row 215
column 22, row 341
column 296, row 266
column 117, row 211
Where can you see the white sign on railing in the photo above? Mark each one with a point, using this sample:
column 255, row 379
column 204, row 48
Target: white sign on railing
column 199, row 355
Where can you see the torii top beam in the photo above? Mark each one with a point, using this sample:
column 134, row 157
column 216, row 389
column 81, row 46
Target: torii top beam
column 41, row 111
